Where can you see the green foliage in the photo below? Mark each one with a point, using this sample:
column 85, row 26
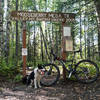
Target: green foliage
column 18, row 78
column 8, row 69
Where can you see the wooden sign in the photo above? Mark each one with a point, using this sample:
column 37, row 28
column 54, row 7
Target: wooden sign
column 68, row 44
column 38, row 16
column 42, row 16
column 66, row 31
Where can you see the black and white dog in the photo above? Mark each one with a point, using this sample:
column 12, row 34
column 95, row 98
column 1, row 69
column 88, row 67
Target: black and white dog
column 34, row 77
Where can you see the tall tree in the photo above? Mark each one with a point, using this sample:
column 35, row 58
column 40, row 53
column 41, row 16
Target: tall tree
column 97, row 3
column 17, row 35
column 7, row 40
column 1, row 28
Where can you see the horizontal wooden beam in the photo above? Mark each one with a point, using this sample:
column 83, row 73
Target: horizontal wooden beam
column 42, row 16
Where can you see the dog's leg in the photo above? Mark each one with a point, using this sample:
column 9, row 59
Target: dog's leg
column 39, row 82
column 31, row 84
column 35, row 83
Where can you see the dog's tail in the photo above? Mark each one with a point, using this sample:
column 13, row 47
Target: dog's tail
column 24, row 79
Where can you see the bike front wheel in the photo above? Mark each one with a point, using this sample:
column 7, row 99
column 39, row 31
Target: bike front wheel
column 86, row 71
column 51, row 75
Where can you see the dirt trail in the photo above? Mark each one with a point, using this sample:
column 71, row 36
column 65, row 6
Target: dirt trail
column 68, row 90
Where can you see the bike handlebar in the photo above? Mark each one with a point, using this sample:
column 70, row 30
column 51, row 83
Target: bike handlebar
column 55, row 57
column 59, row 58
column 77, row 51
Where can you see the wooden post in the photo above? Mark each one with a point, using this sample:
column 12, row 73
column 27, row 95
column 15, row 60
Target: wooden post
column 64, row 70
column 63, row 52
column 24, row 47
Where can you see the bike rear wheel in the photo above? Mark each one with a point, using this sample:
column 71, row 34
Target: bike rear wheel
column 86, row 71
column 51, row 76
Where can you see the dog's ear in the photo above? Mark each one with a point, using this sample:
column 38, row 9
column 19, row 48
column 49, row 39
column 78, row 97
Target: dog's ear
column 40, row 66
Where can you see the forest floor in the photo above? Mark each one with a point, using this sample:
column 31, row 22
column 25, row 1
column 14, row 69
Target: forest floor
column 69, row 90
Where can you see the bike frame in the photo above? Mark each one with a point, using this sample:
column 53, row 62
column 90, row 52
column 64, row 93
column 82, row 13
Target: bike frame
column 63, row 65
column 62, row 62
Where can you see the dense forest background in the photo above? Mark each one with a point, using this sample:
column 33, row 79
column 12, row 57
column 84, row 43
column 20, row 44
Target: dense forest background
column 85, row 31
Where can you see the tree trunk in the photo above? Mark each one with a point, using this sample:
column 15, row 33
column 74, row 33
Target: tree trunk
column 7, row 34
column 1, row 30
column 7, row 40
column 97, row 3
column 42, row 54
column 17, row 35
column 34, row 43
column 80, row 24
column 29, row 44
column 88, row 41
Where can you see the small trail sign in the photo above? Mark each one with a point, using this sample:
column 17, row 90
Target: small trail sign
column 24, row 51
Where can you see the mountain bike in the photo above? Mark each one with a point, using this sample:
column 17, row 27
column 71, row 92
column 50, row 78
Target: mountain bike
column 85, row 71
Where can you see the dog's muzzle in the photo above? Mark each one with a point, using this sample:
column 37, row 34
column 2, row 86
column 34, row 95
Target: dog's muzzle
column 42, row 71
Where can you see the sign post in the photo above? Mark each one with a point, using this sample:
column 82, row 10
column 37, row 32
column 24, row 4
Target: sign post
column 24, row 50
column 63, row 53
column 67, row 44
column 41, row 16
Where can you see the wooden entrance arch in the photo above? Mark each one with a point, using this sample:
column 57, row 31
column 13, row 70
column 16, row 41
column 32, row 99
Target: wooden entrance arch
column 40, row 16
